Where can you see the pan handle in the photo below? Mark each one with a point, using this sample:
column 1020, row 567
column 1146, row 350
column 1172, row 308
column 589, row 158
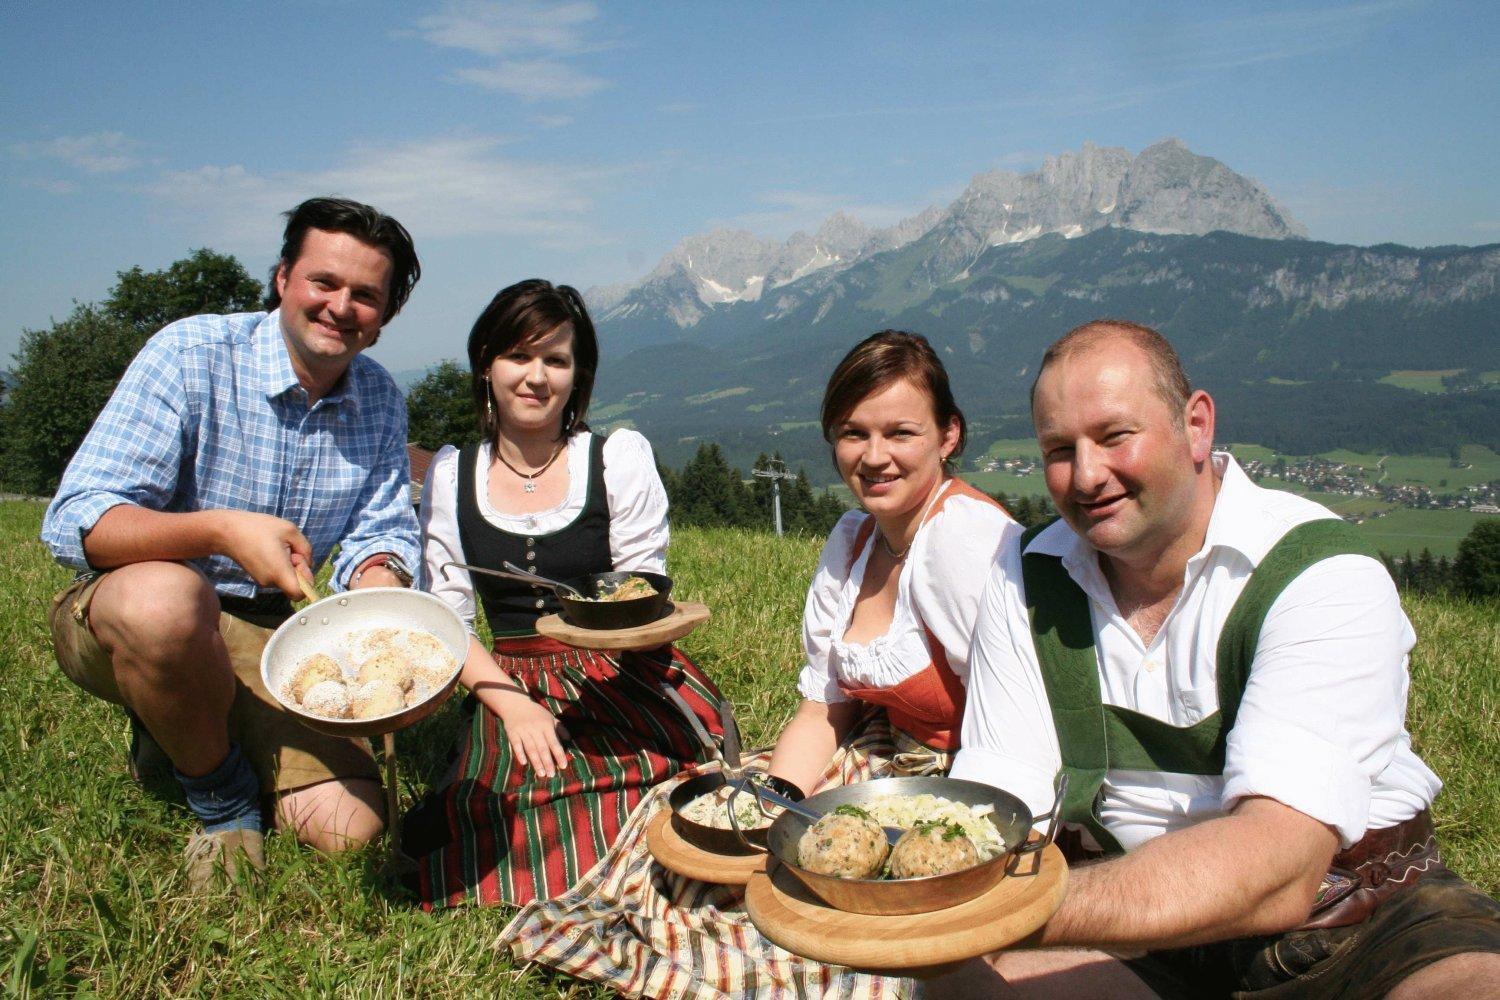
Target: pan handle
column 1053, row 816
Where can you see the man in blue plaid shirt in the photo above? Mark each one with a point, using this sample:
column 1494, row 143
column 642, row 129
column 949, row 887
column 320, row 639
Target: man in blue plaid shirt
column 236, row 453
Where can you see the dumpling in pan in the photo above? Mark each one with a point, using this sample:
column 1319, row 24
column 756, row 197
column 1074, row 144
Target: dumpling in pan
column 932, row 849
column 845, row 843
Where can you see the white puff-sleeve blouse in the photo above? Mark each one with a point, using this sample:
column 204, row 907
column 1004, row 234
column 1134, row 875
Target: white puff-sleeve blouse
column 938, row 592
column 638, row 532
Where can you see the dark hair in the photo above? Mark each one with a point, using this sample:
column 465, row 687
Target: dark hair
column 340, row 215
column 1170, row 381
column 524, row 311
column 878, row 362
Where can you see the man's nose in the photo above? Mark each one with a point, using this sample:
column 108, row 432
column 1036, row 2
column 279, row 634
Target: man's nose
column 1090, row 471
column 341, row 303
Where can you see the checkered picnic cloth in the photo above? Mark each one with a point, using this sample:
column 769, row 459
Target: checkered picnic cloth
column 645, row 932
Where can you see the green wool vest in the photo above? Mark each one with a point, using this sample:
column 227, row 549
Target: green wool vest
column 1095, row 737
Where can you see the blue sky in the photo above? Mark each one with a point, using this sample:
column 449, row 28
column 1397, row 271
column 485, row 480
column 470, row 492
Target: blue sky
column 579, row 141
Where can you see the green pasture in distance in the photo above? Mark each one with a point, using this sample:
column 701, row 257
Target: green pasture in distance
column 1420, row 381
column 1011, row 447
column 1409, row 529
column 1007, row 483
column 1251, row 452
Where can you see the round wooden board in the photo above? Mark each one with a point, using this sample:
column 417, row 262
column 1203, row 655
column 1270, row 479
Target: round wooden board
column 791, row 916
column 677, row 855
column 685, row 616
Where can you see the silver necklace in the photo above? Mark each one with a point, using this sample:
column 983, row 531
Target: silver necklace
column 530, row 477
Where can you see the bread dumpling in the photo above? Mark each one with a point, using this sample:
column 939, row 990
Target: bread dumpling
column 387, row 666
column 373, row 699
column 315, row 669
column 932, row 849
column 845, row 843
column 330, row 699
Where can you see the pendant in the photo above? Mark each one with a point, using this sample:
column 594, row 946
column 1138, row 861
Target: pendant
column 530, row 486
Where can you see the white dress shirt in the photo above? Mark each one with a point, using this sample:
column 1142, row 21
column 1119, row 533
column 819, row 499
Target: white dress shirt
column 938, row 590
column 1321, row 727
column 638, row 533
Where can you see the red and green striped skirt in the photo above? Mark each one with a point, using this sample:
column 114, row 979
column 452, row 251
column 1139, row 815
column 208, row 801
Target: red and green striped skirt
column 496, row 834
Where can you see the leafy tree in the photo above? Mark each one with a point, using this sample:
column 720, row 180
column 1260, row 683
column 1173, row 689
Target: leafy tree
column 1476, row 571
column 63, row 375
column 440, row 408
column 206, row 282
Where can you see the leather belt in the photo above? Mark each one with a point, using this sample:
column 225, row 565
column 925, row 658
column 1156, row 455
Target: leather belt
column 1380, row 864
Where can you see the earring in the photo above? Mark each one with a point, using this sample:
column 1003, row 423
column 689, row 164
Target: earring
column 489, row 398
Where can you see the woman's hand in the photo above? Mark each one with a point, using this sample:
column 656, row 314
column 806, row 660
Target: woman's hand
column 535, row 734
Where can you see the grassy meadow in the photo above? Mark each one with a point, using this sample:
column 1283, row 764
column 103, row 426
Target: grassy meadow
column 92, row 901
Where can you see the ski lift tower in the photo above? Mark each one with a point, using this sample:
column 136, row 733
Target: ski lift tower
column 775, row 471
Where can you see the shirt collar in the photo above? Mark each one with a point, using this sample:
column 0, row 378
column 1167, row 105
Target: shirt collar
column 1237, row 522
column 1234, row 524
column 273, row 367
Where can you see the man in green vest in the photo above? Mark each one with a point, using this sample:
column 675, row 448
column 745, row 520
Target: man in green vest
column 1221, row 673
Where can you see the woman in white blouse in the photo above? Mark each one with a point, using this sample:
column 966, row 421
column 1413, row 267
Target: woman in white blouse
column 561, row 742
column 893, row 604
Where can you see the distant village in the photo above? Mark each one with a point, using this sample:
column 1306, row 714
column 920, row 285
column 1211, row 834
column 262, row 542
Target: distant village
column 1324, row 476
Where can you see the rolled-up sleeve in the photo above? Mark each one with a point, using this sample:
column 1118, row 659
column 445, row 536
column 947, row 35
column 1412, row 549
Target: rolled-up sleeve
column 955, row 564
column 383, row 519
column 1007, row 740
column 638, row 532
column 1323, row 712
column 131, row 455
column 817, row 682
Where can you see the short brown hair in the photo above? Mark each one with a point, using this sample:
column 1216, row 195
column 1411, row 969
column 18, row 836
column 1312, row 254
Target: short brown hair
column 1170, row 381
column 364, row 223
column 519, row 313
column 881, row 360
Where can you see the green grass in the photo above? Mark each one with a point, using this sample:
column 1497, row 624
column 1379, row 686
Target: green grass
column 92, row 902
column 1420, row 381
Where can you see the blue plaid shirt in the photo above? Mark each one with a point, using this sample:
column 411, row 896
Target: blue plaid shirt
column 210, row 416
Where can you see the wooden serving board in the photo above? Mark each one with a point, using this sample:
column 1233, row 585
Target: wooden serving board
column 675, row 854
column 788, row 914
column 684, row 617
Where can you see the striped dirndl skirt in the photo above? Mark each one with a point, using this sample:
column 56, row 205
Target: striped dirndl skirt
column 495, row 833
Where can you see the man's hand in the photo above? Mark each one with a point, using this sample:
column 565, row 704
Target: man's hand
column 271, row 550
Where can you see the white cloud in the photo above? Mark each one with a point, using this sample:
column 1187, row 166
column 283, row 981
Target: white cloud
column 534, row 79
column 96, row 153
column 527, row 41
column 438, row 188
column 506, row 29
column 1261, row 37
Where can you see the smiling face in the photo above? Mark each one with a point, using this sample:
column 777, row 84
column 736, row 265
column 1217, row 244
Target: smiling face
column 531, row 383
column 1125, row 471
column 333, row 298
column 890, row 452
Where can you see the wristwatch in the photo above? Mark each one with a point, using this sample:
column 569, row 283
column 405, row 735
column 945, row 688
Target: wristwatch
column 390, row 561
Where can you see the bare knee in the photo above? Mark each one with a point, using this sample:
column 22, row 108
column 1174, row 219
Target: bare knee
column 153, row 616
column 1457, row 975
column 333, row 816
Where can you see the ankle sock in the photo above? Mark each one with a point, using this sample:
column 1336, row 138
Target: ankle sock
column 226, row 798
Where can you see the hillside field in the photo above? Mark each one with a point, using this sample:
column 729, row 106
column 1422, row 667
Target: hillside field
column 92, row 902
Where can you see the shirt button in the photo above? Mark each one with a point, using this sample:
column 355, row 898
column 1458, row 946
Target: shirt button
column 531, row 543
column 541, row 603
column 531, row 555
column 1152, row 666
column 532, row 568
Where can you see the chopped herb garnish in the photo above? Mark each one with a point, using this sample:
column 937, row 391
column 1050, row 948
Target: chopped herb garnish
column 851, row 810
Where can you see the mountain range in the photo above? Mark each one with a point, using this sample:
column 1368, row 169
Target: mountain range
column 731, row 335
